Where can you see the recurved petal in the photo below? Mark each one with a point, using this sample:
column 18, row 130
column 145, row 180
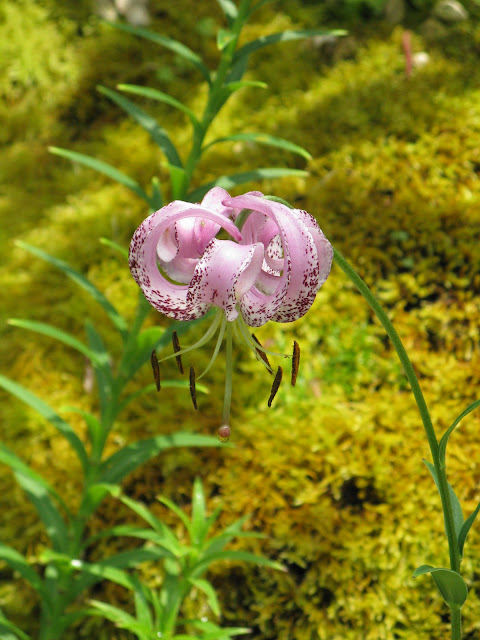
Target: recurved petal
column 169, row 298
column 303, row 273
column 224, row 274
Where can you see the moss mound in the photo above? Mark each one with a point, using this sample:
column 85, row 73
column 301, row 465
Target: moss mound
column 332, row 474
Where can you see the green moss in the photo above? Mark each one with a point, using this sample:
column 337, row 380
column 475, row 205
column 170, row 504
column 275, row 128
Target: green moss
column 340, row 489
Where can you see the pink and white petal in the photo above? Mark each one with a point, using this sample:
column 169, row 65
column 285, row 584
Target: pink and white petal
column 224, row 274
column 204, row 230
column 179, row 269
column 301, row 263
column 167, row 297
column 324, row 248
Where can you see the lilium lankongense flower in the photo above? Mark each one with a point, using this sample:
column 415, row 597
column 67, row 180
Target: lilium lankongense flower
column 271, row 268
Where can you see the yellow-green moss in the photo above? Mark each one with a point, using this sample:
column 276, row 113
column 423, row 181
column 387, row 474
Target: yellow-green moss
column 332, row 474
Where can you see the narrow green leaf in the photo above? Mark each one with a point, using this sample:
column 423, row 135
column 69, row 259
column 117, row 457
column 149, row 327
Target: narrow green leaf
column 209, row 591
column 132, row 531
column 46, row 412
column 126, row 460
column 123, row 251
column 178, row 512
column 228, row 182
column 117, row 320
column 102, row 167
column 259, row 4
column 284, row 36
column 456, row 506
column 160, row 96
column 241, row 556
column 177, row 180
column 53, row 332
column 199, row 513
column 224, row 37
column 212, row 631
column 121, row 619
column 157, row 197
column 18, row 466
column 103, row 370
column 442, row 445
column 94, row 495
column 175, row 46
column 165, row 538
column 95, row 429
column 450, row 584
column 6, row 626
column 229, row 9
column 19, row 563
column 231, row 87
column 49, row 514
column 142, row 613
column 151, row 126
column 265, row 139
column 463, row 533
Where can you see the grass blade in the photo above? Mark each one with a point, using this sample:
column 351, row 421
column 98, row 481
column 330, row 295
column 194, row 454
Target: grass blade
column 442, row 445
column 102, row 167
column 117, row 320
column 126, row 460
column 147, row 122
column 265, row 139
column 228, row 182
column 284, row 36
column 173, row 45
column 47, row 412
column 57, row 334
column 19, row 563
column 160, row 96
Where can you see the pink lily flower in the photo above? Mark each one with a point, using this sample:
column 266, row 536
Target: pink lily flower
column 271, row 268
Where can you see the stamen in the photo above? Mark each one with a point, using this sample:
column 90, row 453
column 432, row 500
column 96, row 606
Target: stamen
column 295, row 361
column 224, row 433
column 217, row 346
column 203, row 340
column 261, row 354
column 240, row 322
column 155, row 368
column 176, row 348
column 193, row 392
column 276, row 384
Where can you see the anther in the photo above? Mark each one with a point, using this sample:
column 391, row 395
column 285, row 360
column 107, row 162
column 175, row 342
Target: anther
column 176, row 348
column 193, row 392
column 276, row 384
column 155, row 368
column 224, row 433
column 262, row 354
column 295, row 362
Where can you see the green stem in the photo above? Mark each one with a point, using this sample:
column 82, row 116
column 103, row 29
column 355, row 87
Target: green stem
column 456, row 621
column 421, row 404
column 227, row 399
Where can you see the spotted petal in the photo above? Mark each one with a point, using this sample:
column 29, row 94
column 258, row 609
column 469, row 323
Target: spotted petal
column 169, row 298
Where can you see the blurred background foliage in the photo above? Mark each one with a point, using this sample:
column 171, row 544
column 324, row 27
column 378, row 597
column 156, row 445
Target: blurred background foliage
column 333, row 472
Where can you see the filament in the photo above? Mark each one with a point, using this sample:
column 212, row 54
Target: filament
column 217, row 346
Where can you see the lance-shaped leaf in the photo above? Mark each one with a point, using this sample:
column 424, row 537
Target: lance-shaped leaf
column 284, row 36
column 102, row 167
column 117, row 320
column 102, row 367
column 209, row 591
column 57, row 334
column 7, row 628
column 121, row 619
column 151, row 126
column 173, row 45
column 19, row 563
column 20, row 468
column 123, row 251
column 442, row 445
column 126, row 460
column 228, row 182
column 229, row 9
column 47, row 412
column 160, row 96
column 264, row 139
column 241, row 556
column 456, row 506
column 157, row 197
column 450, row 584
column 462, row 535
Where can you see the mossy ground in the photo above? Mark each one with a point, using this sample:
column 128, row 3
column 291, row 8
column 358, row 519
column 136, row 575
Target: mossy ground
column 333, row 473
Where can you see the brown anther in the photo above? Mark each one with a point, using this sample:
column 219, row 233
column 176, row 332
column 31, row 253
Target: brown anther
column 176, row 348
column 155, row 368
column 295, row 362
column 193, row 392
column 224, row 433
column 262, row 354
column 276, row 384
